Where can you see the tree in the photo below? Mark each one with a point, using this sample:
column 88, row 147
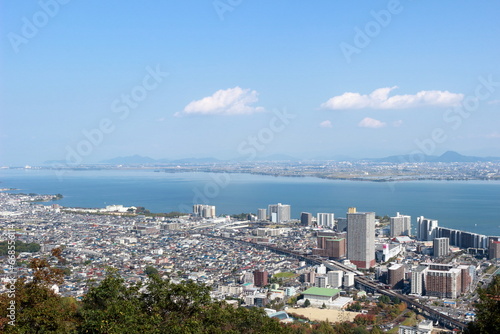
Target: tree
column 150, row 270
column 38, row 309
column 307, row 303
column 487, row 309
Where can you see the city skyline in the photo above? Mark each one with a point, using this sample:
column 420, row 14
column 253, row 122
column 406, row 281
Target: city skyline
column 245, row 80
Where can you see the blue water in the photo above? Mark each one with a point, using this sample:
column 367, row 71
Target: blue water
column 465, row 205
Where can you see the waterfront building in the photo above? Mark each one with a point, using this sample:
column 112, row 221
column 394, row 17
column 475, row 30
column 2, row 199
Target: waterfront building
column 400, row 225
column 325, row 220
column 261, row 214
column 279, row 213
column 205, row 211
column 462, row 239
column 426, row 228
column 306, row 219
column 361, row 238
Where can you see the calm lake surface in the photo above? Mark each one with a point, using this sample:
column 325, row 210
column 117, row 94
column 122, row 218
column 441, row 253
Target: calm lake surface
column 465, row 205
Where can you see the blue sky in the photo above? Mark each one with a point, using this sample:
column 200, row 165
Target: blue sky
column 83, row 81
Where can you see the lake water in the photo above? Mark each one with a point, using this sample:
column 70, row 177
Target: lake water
column 465, row 205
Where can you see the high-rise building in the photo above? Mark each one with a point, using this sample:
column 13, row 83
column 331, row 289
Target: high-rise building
column 279, row 213
column 441, row 246
column 400, row 225
column 468, row 273
column 261, row 214
column 260, row 277
column 462, row 239
column 494, row 248
column 341, row 224
column 418, row 280
column 426, row 228
column 205, row 211
column 306, row 219
column 396, row 276
column 361, row 238
column 335, row 278
column 443, row 281
column 326, row 220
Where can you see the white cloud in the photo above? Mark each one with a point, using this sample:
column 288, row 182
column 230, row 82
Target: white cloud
column 380, row 99
column 494, row 102
column 325, row 124
column 368, row 122
column 231, row 101
column 397, row 123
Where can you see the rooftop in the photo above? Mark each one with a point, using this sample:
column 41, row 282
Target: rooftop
column 326, row 292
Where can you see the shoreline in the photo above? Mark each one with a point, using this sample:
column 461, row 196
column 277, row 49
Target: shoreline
column 327, row 175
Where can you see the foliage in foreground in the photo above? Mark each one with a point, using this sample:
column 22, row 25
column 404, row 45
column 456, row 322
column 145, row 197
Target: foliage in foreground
column 487, row 310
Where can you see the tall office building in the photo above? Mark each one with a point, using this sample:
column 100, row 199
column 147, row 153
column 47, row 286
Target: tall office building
column 361, row 238
column 205, row 211
column 400, row 225
column 306, row 219
column 441, row 246
column 426, row 228
column 279, row 213
column 261, row 214
column 326, row 220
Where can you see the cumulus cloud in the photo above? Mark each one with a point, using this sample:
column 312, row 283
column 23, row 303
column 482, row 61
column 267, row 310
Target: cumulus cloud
column 325, row 124
column 380, row 99
column 368, row 122
column 231, row 101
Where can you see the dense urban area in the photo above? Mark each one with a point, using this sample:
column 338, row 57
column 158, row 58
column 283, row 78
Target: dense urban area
column 362, row 267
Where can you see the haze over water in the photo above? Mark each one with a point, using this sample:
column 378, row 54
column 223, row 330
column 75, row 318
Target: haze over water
column 465, row 205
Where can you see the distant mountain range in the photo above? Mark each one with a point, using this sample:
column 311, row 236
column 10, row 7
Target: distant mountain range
column 449, row 156
column 142, row 160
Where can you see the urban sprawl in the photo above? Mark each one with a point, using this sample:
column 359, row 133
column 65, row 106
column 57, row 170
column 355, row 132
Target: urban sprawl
column 267, row 259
